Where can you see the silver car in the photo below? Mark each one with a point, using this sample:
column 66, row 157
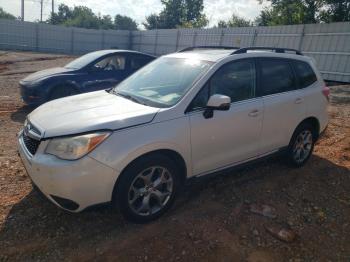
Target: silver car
column 185, row 115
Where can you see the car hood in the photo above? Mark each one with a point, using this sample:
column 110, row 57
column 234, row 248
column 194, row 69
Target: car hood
column 89, row 112
column 46, row 73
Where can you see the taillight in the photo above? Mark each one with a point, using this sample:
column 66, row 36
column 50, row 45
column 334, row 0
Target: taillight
column 326, row 92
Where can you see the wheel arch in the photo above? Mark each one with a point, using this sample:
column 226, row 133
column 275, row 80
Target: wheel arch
column 315, row 123
column 170, row 153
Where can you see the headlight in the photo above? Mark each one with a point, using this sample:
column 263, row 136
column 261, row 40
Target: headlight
column 71, row 148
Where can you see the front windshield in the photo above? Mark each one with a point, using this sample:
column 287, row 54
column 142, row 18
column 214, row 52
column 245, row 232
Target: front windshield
column 83, row 60
column 163, row 82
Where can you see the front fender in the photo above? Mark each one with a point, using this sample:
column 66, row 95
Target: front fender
column 69, row 78
column 71, row 83
column 146, row 149
column 124, row 146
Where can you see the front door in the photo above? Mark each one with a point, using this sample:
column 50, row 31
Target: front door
column 106, row 73
column 231, row 136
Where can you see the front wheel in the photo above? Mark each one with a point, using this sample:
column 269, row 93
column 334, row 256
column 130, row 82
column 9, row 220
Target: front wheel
column 301, row 145
column 147, row 188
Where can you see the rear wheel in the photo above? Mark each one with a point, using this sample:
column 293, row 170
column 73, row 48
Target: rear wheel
column 147, row 188
column 301, row 145
column 62, row 91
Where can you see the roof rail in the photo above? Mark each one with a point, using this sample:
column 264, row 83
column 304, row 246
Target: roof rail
column 276, row 49
column 206, row 47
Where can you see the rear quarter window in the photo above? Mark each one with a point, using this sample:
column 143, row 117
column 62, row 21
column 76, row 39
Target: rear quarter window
column 305, row 74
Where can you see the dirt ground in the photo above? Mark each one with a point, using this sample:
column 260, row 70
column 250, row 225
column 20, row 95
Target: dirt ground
column 211, row 221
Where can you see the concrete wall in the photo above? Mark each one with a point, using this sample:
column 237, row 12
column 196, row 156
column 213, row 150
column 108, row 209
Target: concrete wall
column 17, row 35
column 328, row 44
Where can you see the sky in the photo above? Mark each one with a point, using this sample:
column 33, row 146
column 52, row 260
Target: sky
column 137, row 9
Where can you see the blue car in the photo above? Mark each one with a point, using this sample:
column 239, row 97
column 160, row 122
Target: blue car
column 94, row 71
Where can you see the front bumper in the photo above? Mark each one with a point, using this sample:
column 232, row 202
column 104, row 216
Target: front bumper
column 71, row 185
column 30, row 95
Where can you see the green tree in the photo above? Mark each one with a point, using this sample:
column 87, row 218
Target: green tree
column 289, row 12
column 312, row 10
column 83, row 17
column 178, row 13
column 5, row 15
column 124, row 23
column 286, row 12
column 105, row 22
column 173, row 13
column 64, row 13
column 234, row 21
column 336, row 11
column 265, row 18
column 154, row 21
column 194, row 14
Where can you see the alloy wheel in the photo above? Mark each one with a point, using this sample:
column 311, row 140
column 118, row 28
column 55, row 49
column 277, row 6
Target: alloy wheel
column 150, row 190
column 302, row 146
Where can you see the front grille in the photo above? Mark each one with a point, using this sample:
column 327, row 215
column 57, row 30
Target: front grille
column 31, row 144
column 35, row 130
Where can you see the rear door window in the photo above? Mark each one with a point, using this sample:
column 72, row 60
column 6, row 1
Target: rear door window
column 276, row 76
column 305, row 74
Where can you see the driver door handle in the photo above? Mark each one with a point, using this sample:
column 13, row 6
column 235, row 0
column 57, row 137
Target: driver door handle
column 254, row 113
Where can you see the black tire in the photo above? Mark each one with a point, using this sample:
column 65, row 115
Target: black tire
column 62, row 91
column 295, row 145
column 123, row 191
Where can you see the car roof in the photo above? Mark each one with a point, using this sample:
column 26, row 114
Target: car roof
column 113, row 51
column 215, row 54
column 212, row 55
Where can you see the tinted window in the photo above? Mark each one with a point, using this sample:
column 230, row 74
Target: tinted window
column 201, row 99
column 136, row 62
column 306, row 76
column 85, row 60
column 236, row 80
column 116, row 62
column 276, row 76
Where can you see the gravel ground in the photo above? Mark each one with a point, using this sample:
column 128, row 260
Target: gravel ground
column 212, row 220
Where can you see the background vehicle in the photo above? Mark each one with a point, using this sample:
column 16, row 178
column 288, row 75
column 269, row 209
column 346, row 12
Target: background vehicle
column 184, row 115
column 94, row 71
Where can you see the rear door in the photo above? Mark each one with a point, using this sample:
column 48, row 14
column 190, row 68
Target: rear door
column 284, row 104
column 315, row 101
column 231, row 136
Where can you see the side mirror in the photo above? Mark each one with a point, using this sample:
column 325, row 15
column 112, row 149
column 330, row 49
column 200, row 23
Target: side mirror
column 217, row 102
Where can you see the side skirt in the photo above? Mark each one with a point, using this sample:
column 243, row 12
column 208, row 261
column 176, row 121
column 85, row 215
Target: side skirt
column 235, row 167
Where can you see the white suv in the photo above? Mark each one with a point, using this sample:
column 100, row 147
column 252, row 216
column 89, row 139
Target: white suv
column 185, row 115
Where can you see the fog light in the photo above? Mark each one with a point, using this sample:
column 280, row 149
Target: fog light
column 65, row 203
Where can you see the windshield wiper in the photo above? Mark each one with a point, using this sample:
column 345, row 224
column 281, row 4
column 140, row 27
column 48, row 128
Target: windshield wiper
column 130, row 97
